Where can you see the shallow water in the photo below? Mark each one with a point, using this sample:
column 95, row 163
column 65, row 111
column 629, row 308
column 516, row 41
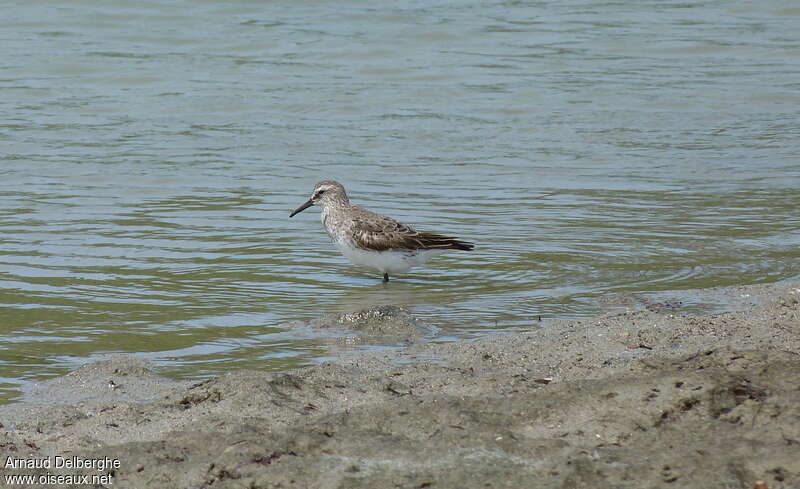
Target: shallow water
column 151, row 154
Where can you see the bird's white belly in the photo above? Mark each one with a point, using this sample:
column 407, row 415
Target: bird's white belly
column 387, row 261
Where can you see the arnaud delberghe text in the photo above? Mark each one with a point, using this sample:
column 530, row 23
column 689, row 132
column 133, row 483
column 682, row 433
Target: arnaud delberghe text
column 59, row 462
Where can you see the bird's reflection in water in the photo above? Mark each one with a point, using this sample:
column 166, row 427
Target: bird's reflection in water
column 397, row 293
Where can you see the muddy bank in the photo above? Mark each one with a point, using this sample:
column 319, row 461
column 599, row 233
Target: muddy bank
column 640, row 399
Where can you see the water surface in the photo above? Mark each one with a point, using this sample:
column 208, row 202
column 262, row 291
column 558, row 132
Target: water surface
column 151, row 154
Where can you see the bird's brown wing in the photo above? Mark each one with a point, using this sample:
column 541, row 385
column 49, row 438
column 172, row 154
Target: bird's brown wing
column 381, row 233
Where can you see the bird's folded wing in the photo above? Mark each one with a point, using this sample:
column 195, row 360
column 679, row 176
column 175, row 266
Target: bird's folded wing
column 384, row 233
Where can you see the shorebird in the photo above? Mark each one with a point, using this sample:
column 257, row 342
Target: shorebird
column 372, row 240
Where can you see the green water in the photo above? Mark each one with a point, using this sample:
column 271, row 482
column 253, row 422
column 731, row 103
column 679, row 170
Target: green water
column 150, row 155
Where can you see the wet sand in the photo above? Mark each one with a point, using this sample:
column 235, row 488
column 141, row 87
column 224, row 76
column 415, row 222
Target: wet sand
column 640, row 399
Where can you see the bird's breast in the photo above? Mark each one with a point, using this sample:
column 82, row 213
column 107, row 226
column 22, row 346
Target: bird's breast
column 332, row 226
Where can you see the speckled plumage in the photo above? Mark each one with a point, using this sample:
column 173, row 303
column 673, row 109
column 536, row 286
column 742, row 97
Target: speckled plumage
column 373, row 240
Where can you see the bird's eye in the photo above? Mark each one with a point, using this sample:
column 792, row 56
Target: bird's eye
column 319, row 193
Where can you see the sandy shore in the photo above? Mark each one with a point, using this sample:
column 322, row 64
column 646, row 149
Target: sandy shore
column 641, row 399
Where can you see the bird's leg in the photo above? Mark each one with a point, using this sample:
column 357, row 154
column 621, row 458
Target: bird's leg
column 385, row 277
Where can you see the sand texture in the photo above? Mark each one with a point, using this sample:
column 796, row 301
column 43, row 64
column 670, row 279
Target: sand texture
column 648, row 398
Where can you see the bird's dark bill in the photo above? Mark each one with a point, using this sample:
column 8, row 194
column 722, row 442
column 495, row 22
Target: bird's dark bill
column 302, row 208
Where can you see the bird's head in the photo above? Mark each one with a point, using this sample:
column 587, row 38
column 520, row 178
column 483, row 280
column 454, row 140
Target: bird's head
column 325, row 192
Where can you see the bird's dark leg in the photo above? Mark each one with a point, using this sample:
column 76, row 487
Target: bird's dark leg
column 385, row 277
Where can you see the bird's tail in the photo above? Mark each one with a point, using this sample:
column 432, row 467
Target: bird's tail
column 436, row 241
column 462, row 245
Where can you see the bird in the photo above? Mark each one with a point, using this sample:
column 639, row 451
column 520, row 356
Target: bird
column 372, row 240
